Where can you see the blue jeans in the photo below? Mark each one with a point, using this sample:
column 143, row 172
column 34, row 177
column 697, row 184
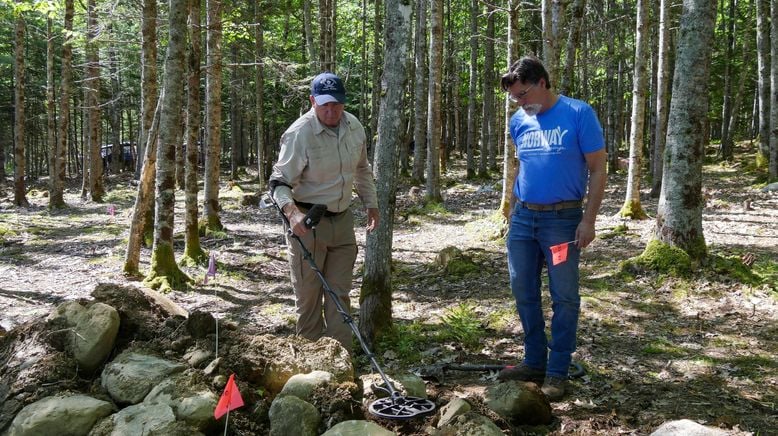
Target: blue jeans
column 531, row 235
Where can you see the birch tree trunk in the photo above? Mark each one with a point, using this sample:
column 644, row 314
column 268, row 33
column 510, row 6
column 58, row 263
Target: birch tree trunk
column 149, row 89
column 433, row 104
column 470, row 142
column 213, row 102
column 632, row 208
column 56, row 197
column 20, row 190
column 164, row 273
column 420, row 93
column 773, row 166
column 510, row 163
column 92, row 102
column 193, row 252
column 662, row 97
column 679, row 214
column 375, row 302
column 763, row 81
column 553, row 19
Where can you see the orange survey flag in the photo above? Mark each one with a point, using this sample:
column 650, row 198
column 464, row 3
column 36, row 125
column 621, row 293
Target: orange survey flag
column 230, row 399
column 559, row 253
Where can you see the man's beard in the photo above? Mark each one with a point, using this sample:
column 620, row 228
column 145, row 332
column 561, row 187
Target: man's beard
column 532, row 109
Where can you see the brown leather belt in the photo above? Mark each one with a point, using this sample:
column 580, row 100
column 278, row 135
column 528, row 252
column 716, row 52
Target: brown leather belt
column 572, row 204
column 308, row 206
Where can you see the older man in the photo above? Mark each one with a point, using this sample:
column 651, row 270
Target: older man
column 322, row 159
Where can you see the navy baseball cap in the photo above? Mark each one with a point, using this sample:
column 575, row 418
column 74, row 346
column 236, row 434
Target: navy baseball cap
column 327, row 88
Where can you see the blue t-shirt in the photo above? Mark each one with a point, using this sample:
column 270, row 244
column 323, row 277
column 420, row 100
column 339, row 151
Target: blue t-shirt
column 550, row 147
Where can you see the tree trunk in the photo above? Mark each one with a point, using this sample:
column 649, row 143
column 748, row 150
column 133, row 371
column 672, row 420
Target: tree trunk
column 375, row 302
column 470, row 142
column 375, row 99
column 679, row 214
column 259, row 94
column 662, row 97
column 310, row 48
column 725, row 147
column 510, row 163
column 573, row 39
column 773, row 166
column 164, row 272
column 92, row 103
column 489, row 135
column 738, row 100
column 117, row 157
column 553, row 17
column 193, row 252
column 234, row 113
column 433, row 102
column 632, row 208
column 763, row 81
column 213, row 125
column 56, row 195
column 420, row 94
column 20, row 190
column 51, row 112
column 149, row 89
column 326, row 35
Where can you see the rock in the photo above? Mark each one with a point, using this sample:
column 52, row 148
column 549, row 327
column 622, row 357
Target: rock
column 290, row 415
column 454, row 408
column 93, row 334
column 446, row 255
column 143, row 419
column 197, row 357
column 412, row 385
column 270, row 361
column 519, row 402
column 303, row 385
column 200, row 324
column 685, row 427
column 60, row 415
column 358, row 428
column 469, row 424
column 772, row 187
column 409, row 385
column 190, row 400
column 132, row 375
column 213, row 366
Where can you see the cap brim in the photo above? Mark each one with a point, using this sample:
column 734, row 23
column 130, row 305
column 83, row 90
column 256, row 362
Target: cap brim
column 328, row 98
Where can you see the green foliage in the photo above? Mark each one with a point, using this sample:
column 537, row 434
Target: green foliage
column 429, row 209
column 463, row 324
column 619, row 230
column 733, row 267
column 407, row 340
column 659, row 257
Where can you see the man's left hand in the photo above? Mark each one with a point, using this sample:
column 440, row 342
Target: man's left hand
column 372, row 219
column 584, row 234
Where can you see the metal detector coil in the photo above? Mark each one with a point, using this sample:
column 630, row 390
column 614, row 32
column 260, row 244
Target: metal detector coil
column 396, row 406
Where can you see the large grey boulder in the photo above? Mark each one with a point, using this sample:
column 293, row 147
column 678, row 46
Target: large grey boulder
column 190, row 400
column 290, row 415
column 772, row 187
column 60, row 415
column 143, row 419
column 519, row 402
column 469, row 424
column 409, row 385
column 358, row 428
column 685, row 427
column 303, row 385
column 130, row 377
column 93, row 333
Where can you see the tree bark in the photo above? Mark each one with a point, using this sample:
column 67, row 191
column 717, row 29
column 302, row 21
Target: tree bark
column 632, row 208
column 510, row 163
column 193, row 252
column 725, row 147
column 433, row 103
column 472, row 115
column 149, row 89
column 259, row 95
column 20, row 190
column 375, row 99
column 92, row 102
column 662, row 97
column 164, row 271
column 773, row 166
column 375, row 309
column 310, row 48
column 763, row 80
column 679, row 214
column 420, row 94
column 51, row 112
column 573, row 40
column 56, row 194
column 213, row 98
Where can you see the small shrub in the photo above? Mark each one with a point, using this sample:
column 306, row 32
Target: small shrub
column 463, row 324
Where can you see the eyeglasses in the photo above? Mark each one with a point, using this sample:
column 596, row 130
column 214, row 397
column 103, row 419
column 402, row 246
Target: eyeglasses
column 516, row 97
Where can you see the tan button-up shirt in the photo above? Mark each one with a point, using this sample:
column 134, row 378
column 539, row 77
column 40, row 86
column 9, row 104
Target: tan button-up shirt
column 322, row 167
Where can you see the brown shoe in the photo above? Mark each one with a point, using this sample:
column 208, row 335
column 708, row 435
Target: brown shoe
column 522, row 372
column 554, row 388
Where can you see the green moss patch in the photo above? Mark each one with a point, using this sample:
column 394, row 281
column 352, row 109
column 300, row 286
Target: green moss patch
column 660, row 257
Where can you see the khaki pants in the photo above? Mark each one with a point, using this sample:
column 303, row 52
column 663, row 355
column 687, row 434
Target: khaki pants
column 334, row 249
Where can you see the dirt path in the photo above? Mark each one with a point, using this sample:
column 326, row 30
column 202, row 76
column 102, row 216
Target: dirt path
column 655, row 349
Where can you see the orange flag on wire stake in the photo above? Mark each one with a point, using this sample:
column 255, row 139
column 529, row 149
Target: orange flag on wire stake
column 559, row 253
column 230, row 399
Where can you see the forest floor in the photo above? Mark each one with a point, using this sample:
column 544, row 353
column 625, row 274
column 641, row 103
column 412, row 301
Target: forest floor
column 654, row 347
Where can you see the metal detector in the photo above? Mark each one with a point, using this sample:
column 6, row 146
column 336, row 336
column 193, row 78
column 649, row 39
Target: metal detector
column 396, row 406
